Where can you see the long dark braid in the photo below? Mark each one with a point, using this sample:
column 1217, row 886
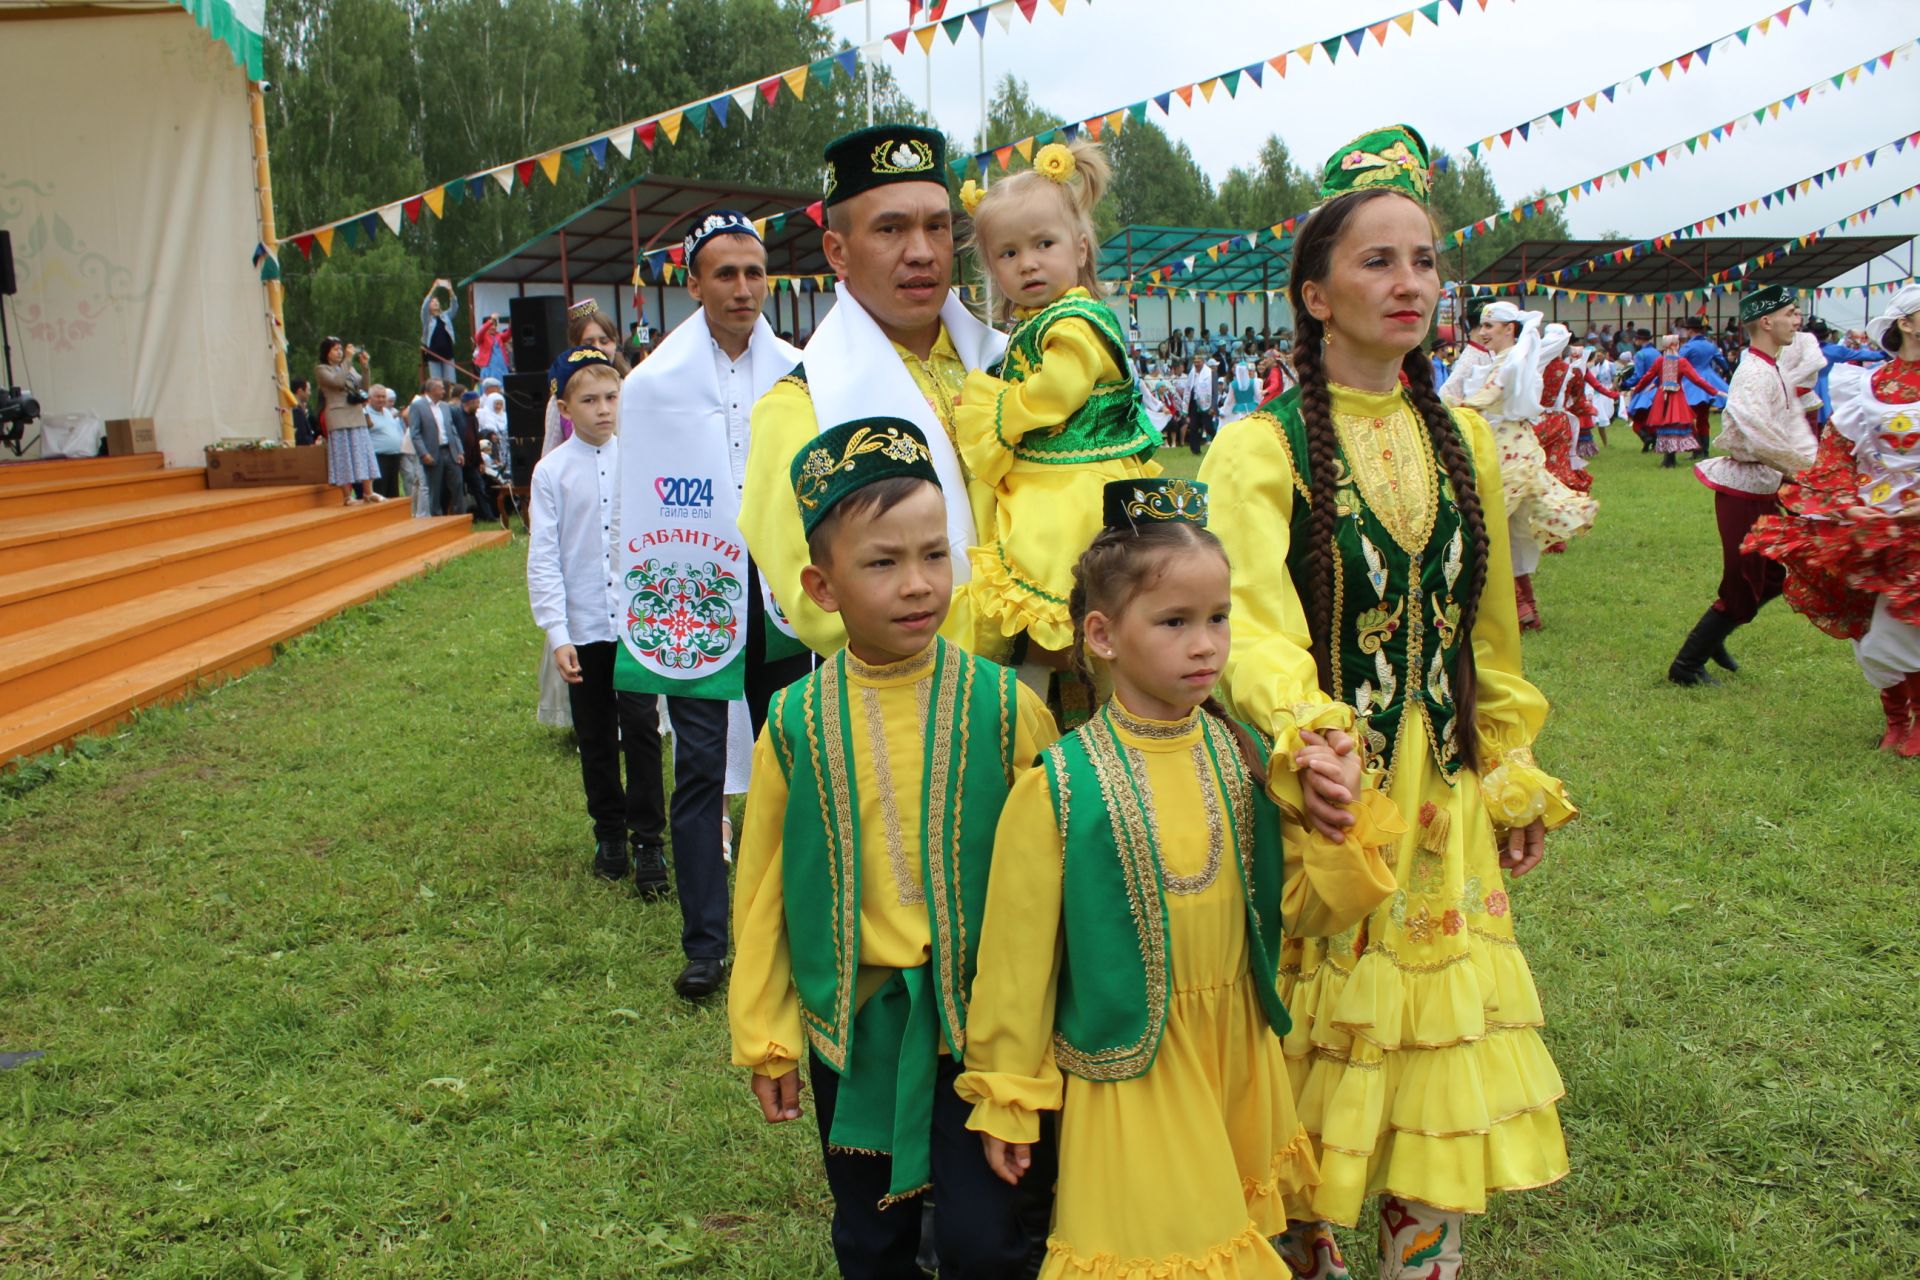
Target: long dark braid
column 1452, row 451
column 1316, row 410
column 1312, row 258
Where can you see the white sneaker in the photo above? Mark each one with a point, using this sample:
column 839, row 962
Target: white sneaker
column 376, row 497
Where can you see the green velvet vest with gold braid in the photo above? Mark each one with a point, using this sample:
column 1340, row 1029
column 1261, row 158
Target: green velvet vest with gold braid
column 967, row 770
column 1396, row 599
column 1116, row 970
column 1112, row 423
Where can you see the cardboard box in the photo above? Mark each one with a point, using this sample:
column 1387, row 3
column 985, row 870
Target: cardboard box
column 246, row 468
column 129, row 435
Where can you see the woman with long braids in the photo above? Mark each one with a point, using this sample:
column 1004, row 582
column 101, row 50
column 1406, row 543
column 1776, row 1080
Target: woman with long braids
column 1375, row 607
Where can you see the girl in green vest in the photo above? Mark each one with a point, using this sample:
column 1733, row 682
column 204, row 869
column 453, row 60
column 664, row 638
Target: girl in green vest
column 1061, row 415
column 1128, row 959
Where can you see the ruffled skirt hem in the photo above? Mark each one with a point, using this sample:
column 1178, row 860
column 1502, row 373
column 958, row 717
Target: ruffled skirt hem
column 1247, row 1256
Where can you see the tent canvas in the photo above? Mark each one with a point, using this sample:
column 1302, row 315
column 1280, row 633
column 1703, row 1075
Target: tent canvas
column 133, row 212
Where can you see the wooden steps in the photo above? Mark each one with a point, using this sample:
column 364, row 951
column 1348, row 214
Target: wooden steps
column 127, row 585
column 42, row 470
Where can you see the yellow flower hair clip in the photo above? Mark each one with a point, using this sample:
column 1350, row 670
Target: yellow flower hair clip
column 971, row 194
column 1055, row 161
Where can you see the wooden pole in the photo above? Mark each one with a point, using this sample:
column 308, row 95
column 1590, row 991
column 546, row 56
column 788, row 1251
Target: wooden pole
column 276, row 318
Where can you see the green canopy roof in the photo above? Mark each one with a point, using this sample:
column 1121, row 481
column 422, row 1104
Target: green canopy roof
column 1134, row 251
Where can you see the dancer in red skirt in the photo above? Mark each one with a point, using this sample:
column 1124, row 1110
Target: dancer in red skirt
column 1850, row 538
column 1671, row 418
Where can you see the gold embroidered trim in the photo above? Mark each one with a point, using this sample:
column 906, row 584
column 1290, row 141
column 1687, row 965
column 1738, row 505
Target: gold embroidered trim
column 1061, row 797
column 821, row 701
column 782, row 749
column 1152, row 730
column 933, row 854
column 1006, row 746
column 1133, row 846
column 918, row 665
column 1200, row 881
column 1392, row 465
column 959, row 816
column 1239, row 788
column 911, row 893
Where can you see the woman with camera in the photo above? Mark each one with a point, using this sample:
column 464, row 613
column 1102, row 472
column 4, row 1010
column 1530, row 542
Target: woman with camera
column 343, row 419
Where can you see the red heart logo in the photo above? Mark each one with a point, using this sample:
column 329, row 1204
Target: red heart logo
column 660, row 487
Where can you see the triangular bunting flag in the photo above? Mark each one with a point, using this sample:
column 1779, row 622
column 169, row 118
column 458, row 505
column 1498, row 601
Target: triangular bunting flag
column 436, row 201
column 670, row 125
column 647, row 133
column 696, row 115
column 796, row 81
column 550, row 165
column 412, row 208
column 926, row 35
column 324, row 238
column 524, row 171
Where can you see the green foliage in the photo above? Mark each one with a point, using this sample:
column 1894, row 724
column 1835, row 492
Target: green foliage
column 1464, row 193
column 376, row 99
column 327, row 989
column 1274, row 188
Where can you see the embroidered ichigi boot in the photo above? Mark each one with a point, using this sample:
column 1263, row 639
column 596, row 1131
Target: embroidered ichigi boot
column 1418, row 1241
column 1910, row 746
column 1311, row 1252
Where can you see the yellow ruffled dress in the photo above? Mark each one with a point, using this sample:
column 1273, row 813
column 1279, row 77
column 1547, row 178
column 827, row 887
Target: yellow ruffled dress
column 1183, row 1172
column 1045, row 514
column 1415, row 1051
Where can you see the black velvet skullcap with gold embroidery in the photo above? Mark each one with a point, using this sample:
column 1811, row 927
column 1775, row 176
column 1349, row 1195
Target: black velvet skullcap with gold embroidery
column 1128, row 504
column 835, row 464
column 884, row 153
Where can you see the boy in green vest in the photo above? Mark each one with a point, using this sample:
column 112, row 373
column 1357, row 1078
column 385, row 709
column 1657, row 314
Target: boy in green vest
column 869, row 831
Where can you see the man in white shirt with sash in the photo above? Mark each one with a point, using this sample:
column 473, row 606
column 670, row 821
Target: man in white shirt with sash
column 696, row 627
column 898, row 343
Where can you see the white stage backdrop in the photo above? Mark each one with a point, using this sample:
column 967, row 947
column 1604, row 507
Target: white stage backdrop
column 126, row 179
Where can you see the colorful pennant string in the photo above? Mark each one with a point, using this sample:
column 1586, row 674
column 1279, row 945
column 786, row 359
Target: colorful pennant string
column 723, row 109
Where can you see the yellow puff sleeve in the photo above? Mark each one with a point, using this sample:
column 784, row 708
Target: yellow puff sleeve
column 1270, row 678
column 763, row 1006
column 1510, row 710
column 782, row 424
column 994, row 415
column 1011, row 1076
column 1327, row 885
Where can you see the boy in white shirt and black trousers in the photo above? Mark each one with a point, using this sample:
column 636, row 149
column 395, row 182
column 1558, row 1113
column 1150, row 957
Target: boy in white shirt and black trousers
column 574, row 586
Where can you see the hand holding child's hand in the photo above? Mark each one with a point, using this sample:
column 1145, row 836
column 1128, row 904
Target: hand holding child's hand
column 1525, row 847
column 779, row 1097
column 1329, row 770
column 1008, row 1160
column 567, row 658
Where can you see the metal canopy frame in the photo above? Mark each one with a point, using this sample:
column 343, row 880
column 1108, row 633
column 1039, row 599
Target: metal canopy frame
column 601, row 243
column 1687, row 264
column 1137, row 249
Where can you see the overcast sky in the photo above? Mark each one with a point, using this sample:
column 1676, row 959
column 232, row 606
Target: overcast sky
column 1477, row 73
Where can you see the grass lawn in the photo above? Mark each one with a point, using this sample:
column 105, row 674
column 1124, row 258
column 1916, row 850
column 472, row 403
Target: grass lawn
column 325, row 988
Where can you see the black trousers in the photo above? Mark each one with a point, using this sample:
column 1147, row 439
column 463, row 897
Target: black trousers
column 699, row 784
column 1200, row 428
column 476, row 485
column 388, row 485
column 983, row 1228
column 610, row 725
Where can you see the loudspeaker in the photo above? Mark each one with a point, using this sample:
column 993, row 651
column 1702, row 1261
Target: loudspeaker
column 526, row 403
column 526, row 453
column 539, row 332
column 8, row 285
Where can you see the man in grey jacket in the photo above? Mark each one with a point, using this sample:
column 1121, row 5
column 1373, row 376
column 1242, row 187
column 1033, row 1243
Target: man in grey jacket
column 436, row 442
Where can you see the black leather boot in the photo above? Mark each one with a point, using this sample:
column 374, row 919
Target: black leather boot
column 1690, row 664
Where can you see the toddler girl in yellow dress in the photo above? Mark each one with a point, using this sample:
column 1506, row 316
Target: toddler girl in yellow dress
column 1061, row 415
column 1133, row 926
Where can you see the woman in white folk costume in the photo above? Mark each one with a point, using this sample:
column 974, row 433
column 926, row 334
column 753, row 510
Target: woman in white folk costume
column 1374, row 599
column 698, row 629
column 1540, row 510
column 898, row 343
column 1850, row 538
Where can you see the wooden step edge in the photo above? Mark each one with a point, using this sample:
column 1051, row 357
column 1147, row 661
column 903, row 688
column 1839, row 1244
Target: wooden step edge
column 70, row 639
column 184, row 671
column 38, row 470
column 164, row 475
column 110, row 516
column 74, row 574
